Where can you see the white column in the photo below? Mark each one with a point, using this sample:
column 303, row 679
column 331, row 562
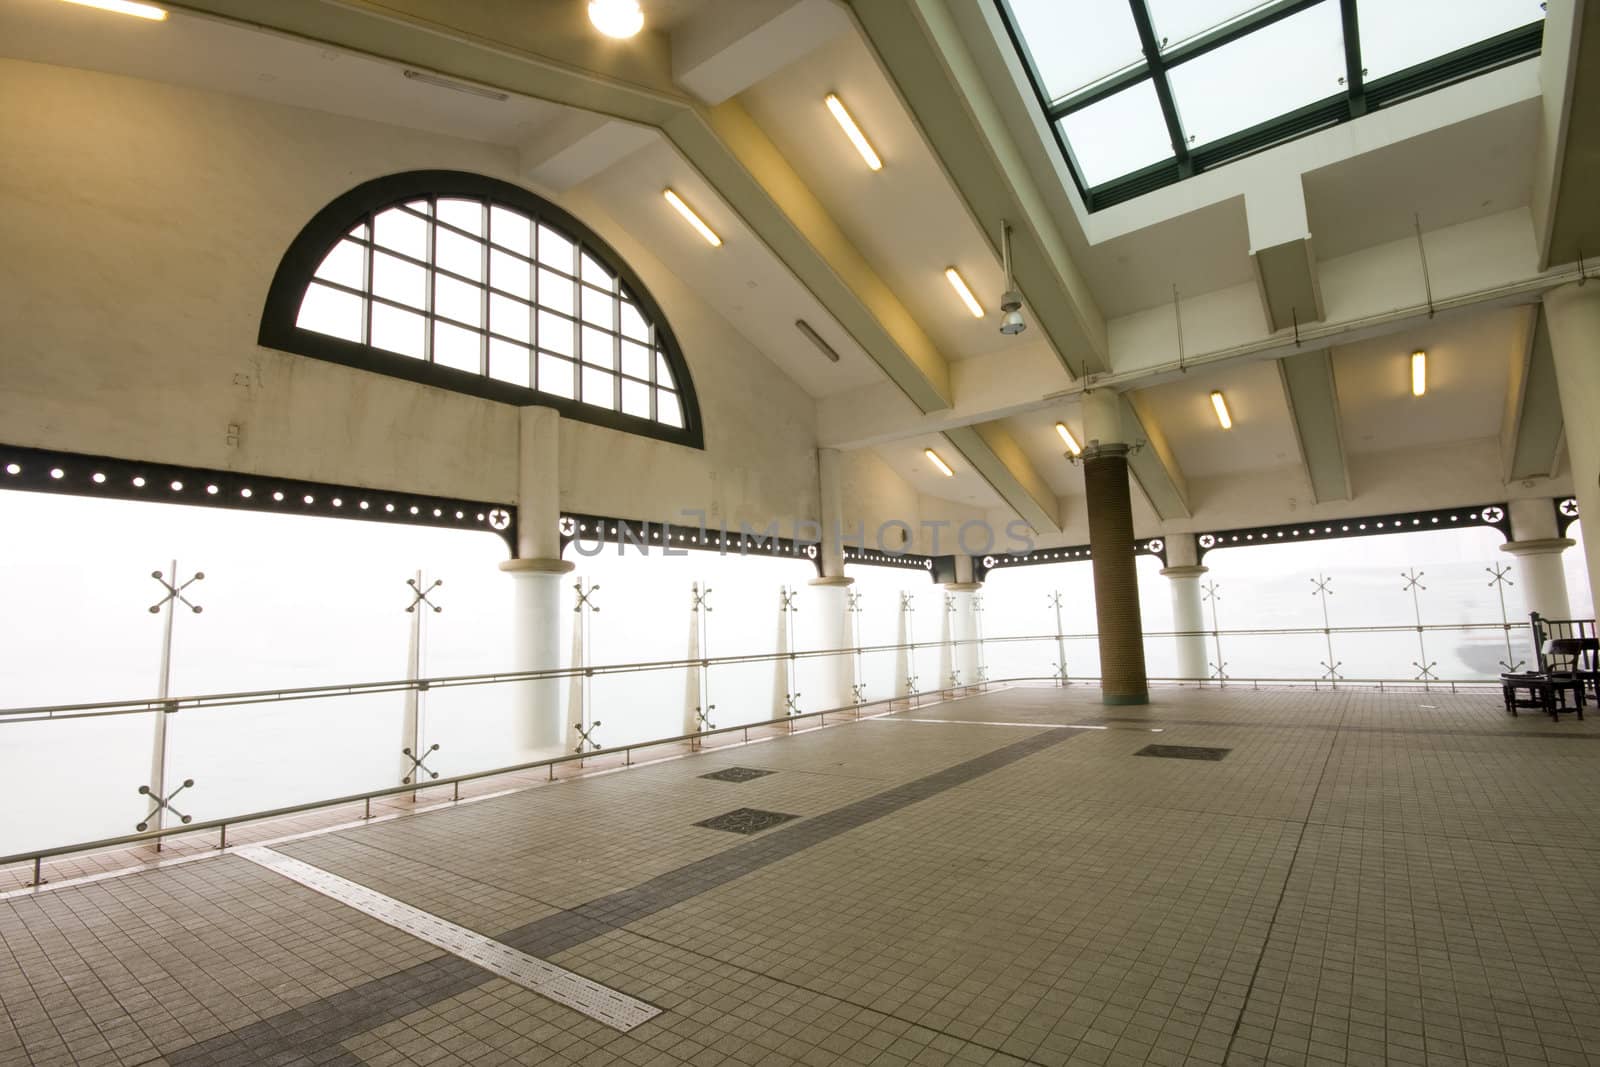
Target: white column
column 1187, row 616
column 1538, row 571
column 963, row 623
column 831, row 592
column 537, row 573
column 1573, row 314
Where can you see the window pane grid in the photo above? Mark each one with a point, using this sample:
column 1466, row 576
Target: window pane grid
column 451, row 239
column 1054, row 38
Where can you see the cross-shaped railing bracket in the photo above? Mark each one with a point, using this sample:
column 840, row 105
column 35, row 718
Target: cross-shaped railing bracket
column 419, row 595
column 701, row 597
column 950, row 603
column 1209, row 592
column 1413, row 580
column 585, row 735
column 786, row 598
column 163, row 803
column 702, row 718
column 911, row 685
column 1322, row 584
column 1052, row 600
column 586, row 598
column 1331, row 673
column 955, row 678
column 858, row 693
column 1060, row 672
column 175, row 592
column 907, row 601
column 1425, row 673
column 1219, row 671
column 792, row 703
column 1501, row 575
column 418, row 763
column 852, row 600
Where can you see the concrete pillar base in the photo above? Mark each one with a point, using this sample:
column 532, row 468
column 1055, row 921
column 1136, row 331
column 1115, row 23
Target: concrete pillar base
column 536, row 630
column 1543, row 578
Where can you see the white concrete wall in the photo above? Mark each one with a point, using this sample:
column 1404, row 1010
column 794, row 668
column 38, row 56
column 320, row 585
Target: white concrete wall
column 143, row 225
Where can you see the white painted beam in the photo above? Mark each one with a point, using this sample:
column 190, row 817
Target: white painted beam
column 578, row 146
column 1313, row 399
column 732, row 44
column 1001, row 462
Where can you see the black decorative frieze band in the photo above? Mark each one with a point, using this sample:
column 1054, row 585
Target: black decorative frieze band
column 75, row 474
column 1491, row 515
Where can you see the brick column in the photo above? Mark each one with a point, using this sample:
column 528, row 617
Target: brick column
column 1116, row 582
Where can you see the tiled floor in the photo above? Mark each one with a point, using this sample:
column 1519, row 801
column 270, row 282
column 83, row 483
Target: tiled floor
column 1364, row 878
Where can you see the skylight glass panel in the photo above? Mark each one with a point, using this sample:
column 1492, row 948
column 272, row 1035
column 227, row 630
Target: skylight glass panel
column 1395, row 36
column 1123, row 133
column 1177, row 21
column 1075, row 43
column 1265, row 74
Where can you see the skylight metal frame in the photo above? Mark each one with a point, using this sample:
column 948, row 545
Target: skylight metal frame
column 1359, row 97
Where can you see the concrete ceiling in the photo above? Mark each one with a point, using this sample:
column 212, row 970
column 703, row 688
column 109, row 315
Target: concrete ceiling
column 226, row 57
column 907, row 459
column 906, row 218
column 1469, row 361
column 1262, row 436
column 1465, row 171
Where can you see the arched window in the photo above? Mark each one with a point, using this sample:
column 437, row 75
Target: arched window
column 467, row 283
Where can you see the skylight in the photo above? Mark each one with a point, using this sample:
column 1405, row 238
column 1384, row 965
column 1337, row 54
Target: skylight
column 1143, row 93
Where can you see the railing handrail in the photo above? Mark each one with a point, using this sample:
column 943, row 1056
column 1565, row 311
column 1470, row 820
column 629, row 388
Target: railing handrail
column 145, row 705
column 37, row 856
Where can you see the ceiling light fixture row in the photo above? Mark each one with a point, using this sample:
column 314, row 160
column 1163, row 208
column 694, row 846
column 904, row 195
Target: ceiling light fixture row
column 934, row 458
column 1419, row 372
column 1073, row 448
column 1220, row 405
column 126, row 7
column 693, row 220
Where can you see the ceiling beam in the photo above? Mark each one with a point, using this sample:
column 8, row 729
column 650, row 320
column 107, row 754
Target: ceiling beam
column 730, row 45
column 1000, row 461
column 1313, row 399
column 1154, row 466
column 1567, row 162
column 924, row 53
column 578, row 146
column 1280, row 250
column 545, row 49
column 1533, row 433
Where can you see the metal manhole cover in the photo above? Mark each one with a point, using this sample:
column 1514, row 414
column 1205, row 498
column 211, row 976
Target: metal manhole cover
column 736, row 774
column 1183, row 752
column 746, row 821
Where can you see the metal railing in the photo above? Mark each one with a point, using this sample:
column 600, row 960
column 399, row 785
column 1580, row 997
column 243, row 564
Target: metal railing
column 855, row 711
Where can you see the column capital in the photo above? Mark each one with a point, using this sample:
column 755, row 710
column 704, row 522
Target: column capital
column 1546, row 546
column 832, row 581
column 1104, row 450
column 962, row 587
column 1191, row 571
column 537, row 566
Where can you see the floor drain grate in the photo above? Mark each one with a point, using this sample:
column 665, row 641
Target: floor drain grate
column 736, row 774
column 746, row 821
column 1183, row 752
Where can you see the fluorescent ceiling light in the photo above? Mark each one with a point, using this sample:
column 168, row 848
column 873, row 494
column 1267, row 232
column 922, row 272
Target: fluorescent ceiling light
column 1221, row 407
column 933, row 457
column 852, row 131
column 960, row 286
column 447, row 83
column 694, row 220
column 616, row 18
column 125, row 7
column 1419, row 373
column 1068, row 440
column 811, row 335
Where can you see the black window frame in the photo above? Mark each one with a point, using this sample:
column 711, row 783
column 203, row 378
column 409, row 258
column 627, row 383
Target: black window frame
column 1359, row 97
column 297, row 271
